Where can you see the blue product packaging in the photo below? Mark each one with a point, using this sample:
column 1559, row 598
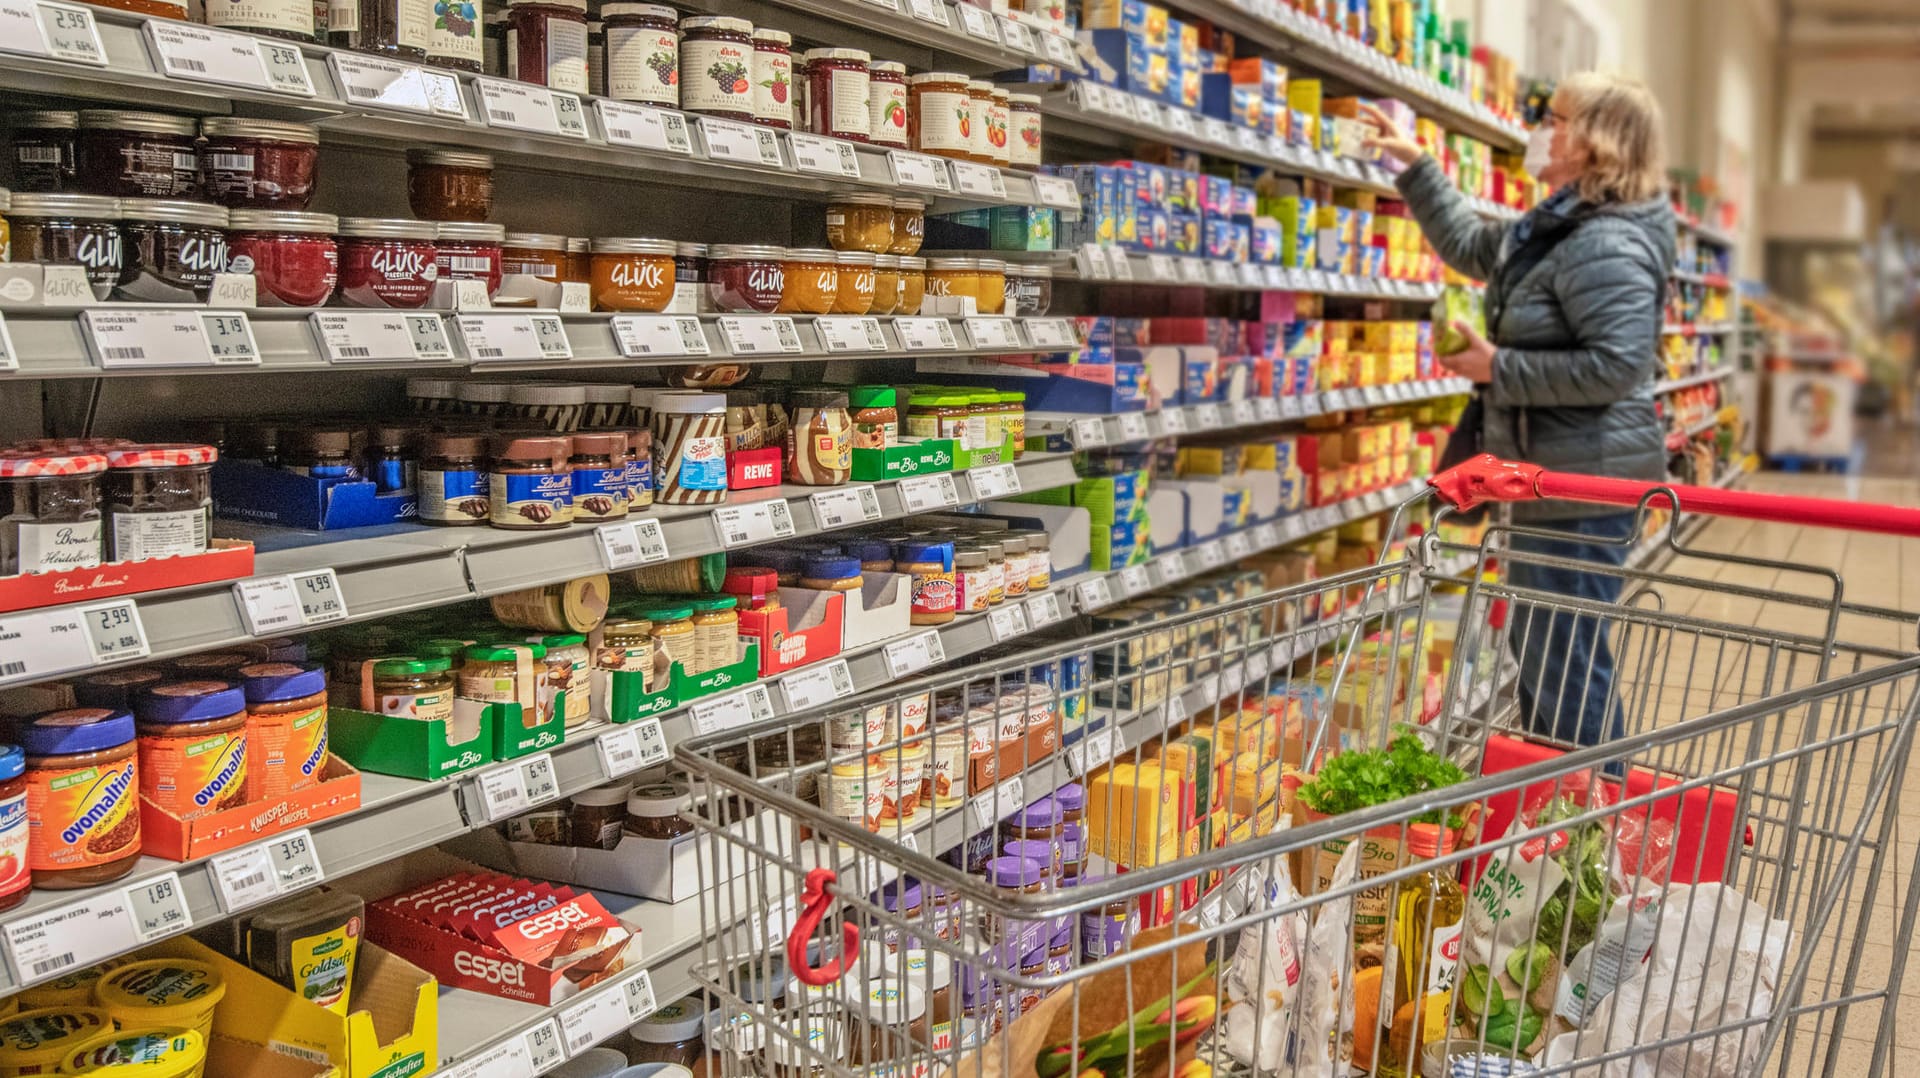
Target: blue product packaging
column 1153, row 229
column 1216, row 195
column 1265, row 240
column 456, row 495
column 1184, row 233
column 1216, row 236
column 601, row 492
column 527, row 500
column 1126, row 207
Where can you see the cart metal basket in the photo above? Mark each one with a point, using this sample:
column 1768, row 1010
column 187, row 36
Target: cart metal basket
column 1105, row 854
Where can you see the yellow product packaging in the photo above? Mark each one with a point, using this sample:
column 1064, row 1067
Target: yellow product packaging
column 36, row 1041
column 150, row 1052
column 310, row 946
column 163, row 992
column 1132, row 815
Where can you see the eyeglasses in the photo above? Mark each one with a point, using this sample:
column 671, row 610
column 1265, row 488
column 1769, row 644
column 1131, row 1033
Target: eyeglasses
column 1554, row 119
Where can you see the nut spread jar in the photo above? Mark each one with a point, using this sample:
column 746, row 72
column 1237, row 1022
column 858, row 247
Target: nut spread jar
column 259, row 164
column 292, row 256
column 886, row 284
column 83, row 790
column 531, row 486
column 820, row 441
column 909, row 225
column 452, row 481
column 913, row 283
column 387, row 262
column 599, row 477
column 631, row 274
column 193, row 746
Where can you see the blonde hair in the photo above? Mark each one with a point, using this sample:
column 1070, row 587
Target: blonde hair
column 1618, row 121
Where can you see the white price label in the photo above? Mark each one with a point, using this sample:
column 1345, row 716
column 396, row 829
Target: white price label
column 1238, row 546
column 517, row 787
column 1247, row 274
column 1232, row 679
column 1003, row 800
column 915, row 653
column 9, row 359
column 1160, row 268
column 534, row 1052
column 1017, row 37
column 918, row 170
column 1090, row 262
column 1120, row 263
column 374, row 80
column 1135, row 580
column 1211, row 554
column 521, row 106
column 630, row 543
column 850, row 334
column 1220, row 274
column 923, row 493
column 842, row 506
column 1207, row 416
column 753, row 335
column 1171, row 567
column 269, row 605
column 1267, row 408
column 733, row 710
column 1007, row 621
column 1133, row 427
column 1093, row 593
column 1056, row 192
column 1290, row 407
column 1089, row 432
column 1181, row 121
column 1176, row 709
column 994, row 481
column 1243, row 413
column 824, row 156
column 925, row 334
column 1273, row 277
column 203, row 54
column 648, row 128
column 320, row 598
column 265, row 870
column 170, row 337
column 992, row 333
column 513, row 338
column 630, row 747
column 97, row 927
column 816, row 685
column 1247, row 140
column 381, row 336
column 982, row 181
column 599, row 1017
column 1192, row 270
column 1043, row 610
column 41, row 643
column 1052, row 333
column 754, row 522
column 932, row 11
column 642, row 335
column 744, row 144
column 978, row 23
column 61, row 31
column 1173, row 420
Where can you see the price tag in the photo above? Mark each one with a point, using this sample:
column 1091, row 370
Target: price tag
column 1007, row 621
column 1243, row 413
column 1207, row 416
column 918, row 170
column 925, row 334
column 1211, row 554
column 1149, row 112
column 203, row 54
column 38, row 644
column 1052, row 333
column 1057, row 192
column 1003, row 800
column 647, row 128
column 599, row 1017
column 373, row 80
column 1089, row 433
column 1058, row 49
column 932, row 11
column 1171, row 567
column 521, row 106
column 99, row 926
column 994, row 481
column 845, row 334
column 743, row 144
column 915, row 653
column 320, row 598
column 642, row 335
column 1043, row 609
column 1133, row 427
column 269, row 605
column 630, row 543
column 992, row 333
column 824, row 156
column 1238, row 546
column 1220, row 274
column 1215, row 131
column 497, row 337
column 152, row 337
column 518, row 786
column 61, row 31
column 1173, row 420
column 923, row 493
column 1160, row 268
column 1290, row 407
column 1266, row 408
column 817, row 685
column 1180, row 121
column 381, row 336
column 1017, row 37
column 1247, row 274
column 752, row 335
column 733, row 710
column 754, row 522
column 1232, row 679
column 977, row 22
column 1272, row 277
column 1120, row 263
column 1192, row 271
column 1135, row 580
column 265, row 870
column 1093, row 593
column 981, row 181
column 1090, row 261
column 532, row 1053
column 843, row 506
column 1091, row 752
column 1248, row 140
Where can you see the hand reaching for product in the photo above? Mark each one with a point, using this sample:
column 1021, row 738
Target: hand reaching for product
column 1388, row 138
column 1475, row 361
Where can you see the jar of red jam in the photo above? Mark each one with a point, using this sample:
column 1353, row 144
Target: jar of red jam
column 292, row 256
column 169, row 251
column 773, row 97
column 387, row 262
column 137, row 154
column 469, row 251
column 536, row 254
column 716, row 66
column 259, row 164
column 547, row 43
column 887, row 103
column 642, row 53
column 689, row 280
column 837, row 93
column 449, row 185
column 69, row 230
column 745, row 278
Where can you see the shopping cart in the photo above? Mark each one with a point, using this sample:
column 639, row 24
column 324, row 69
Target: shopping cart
column 1154, row 843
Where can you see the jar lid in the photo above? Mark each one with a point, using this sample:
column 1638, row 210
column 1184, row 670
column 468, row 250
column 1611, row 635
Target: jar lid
column 13, row 762
column 1071, row 797
column 983, row 396
column 74, row 730
column 45, row 118
column 1028, row 269
column 860, row 55
column 926, row 77
column 538, row 241
column 890, row 67
column 190, row 701
column 830, row 567
column 411, row 666
column 162, row 456
column 603, row 796
column 332, row 442
column 267, row 682
column 239, row 127
column 992, row 265
column 750, row 580
column 866, row 550
column 872, row 396
column 913, row 262
column 599, row 445
column 547, row 393
column 602, row 393
column 47, row 204
column 664, row 612
column 656, row 800
column 887, row 262
column 25, row 466
column 929, row 968
column 690, row 250
column 769, row 36
column 166, row 209
column 741, row 1034
column 854, row 258
column 811, row 254
column 716, row 22
column 44, row 1035
column 1015, row 871
column 430, row 387
column 970, row 557
column 915, row 550
column 894, row 1003
column 484, row 392
column 115, row 689
column 804, row 1041
column 616, row 626
column 1001, row 95
column 282, row 221
column 953, row 263
column 818, row 398
column 549, row 450
column 471, row 230
column 979, row 86
column 578, row 245
column 709, row 604
column 502, row 651
column 681, row 1020
column 651, row 11
column 748, row 250
column 633, row 245
column 151, row 123
column 1024, row 99
column 1033, row 849
column 210, row 664
column 1044, row 812
column 455, row 158
column 1013, row 396
column 691, row 403
column 398, row 228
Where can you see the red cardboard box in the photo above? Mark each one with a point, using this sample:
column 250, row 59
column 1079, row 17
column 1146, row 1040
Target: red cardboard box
column 805, row 628
column 544, row 958
column 165, row 835
column 225, row 559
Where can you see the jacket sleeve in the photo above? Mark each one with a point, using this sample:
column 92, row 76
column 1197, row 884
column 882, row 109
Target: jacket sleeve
column 1466, row 242
column 1611, row 296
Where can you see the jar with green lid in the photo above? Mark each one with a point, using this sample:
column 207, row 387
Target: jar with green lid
column 449, row 648
column 567, row 660
column 415, row 688
column 627, row 646
column 508, row 672
column 876, row 419
column 938, row 415
column 673, row 633
column 716, row 631
column 984, row 429
column 1013, row 417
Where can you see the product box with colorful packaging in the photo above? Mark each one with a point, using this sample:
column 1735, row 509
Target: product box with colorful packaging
column 1216, row 237
column 1303, row 97
column 1119, row 386
column 1099, row 190
column 1184, row 233
column 805, row 628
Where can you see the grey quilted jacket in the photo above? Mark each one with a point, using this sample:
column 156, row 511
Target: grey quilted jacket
column 1578, row 336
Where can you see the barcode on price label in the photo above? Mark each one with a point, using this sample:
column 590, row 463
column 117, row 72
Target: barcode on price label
column 843, row 506
column 994, row 481
column 1003, row 800
column 1094, row 593
column 1043, row 609
column 817, row 685
column 631, row 542
column 734, row 710
column 758, row 522
column 920, row 493
column 913, row 654
column 1007, row 621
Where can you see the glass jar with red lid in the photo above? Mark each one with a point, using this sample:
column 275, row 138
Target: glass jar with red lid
column 547, row 43
column 387, row 262
column 52, row 520
column 716, row 66
column 292, row 256
column 259, row 164
column 170, row 250
column 469, row 251
column 836, row 101
column 887, row 103
column 745, row 278
column 773, row 89
column 137, row 154
column 158, row 501
column 449, row 185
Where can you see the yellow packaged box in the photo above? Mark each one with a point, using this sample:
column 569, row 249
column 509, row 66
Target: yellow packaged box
column 1128, row 812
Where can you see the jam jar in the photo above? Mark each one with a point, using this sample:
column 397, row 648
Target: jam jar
column 909, row 225
column 643, row 53
column 169, row 251
column 469, row 251
column 399, row 29
column 531, row 485
column 855, row 294
column 810, row 278
column 633, row 274
column 886, row 285
column 689, row 280
column 861, row 222
column 948, row 277
column 449, row 185
column 69, row 230
column 992, row 285
column 536, row 254
column 159, row 501
column 913, row 283
column 940, row 116
column 1023, row 138
column 43, row 150
column 998, row 126
column 773, row 97
column 836, row 99
column 259, row 164
column 454, row 39
column 547, row 43
column 980, row 94
column 579, row 265
column 51, row 518
column 1029, row 289
column 138, row 154
column 387, row 262
column 716, row 61
column 746, row 279
column 887, row 103
column 292, row 255
column 295, row 20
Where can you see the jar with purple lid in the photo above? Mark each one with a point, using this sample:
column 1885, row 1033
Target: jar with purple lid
column 1015, row 876
column 1047, row 853
column 902, row 898
column 943, row 910
column 982, row 1011
column 1103, row 930
column 1061, row 949
column 1026, row 997
column 1038, row 820
column 1072, row 799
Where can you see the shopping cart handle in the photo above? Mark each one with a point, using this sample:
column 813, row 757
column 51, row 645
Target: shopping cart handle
column 814, row 901
column 1487, row 478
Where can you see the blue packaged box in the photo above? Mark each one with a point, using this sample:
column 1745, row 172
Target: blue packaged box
column 1138, row 66
column 1098, row 186
column 262, row 495
column 1216, row 236
column 1265, row 240
column 1242, row 242
column 1184, row 233
column 1220, row 98
column 1126, row 207
column 1147, row 20
column 1132, row 333
column 1096, row 333
column 1183, row 42
column 1216, row 194
column 1065, row 393
column 1236, row 505
column 1151, row 183
column 1155, row 229
column 1183, row 190
column 1300, row 130
column 1246, row 202
column 1199, row 378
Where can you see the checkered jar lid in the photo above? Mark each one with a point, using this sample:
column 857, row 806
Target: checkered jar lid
column 161, row 456
column 38, row 466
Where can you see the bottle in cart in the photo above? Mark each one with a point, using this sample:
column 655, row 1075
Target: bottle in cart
column 1423, row 957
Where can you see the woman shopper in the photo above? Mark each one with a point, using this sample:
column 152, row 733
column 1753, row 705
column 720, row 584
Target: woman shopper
column 1575, row 297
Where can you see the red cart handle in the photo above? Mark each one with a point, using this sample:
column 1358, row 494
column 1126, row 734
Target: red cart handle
column 1487, row 478
column 814, row 902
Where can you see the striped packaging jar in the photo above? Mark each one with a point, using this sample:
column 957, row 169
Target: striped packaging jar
column 690, row 448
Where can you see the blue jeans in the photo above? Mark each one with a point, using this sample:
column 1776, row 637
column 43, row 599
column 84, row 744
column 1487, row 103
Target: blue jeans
column 1566, row 668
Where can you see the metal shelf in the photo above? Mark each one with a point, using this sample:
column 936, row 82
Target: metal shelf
column 1692, row 329
column 936, row 35
column 1691, row 380
column 1112, row 265
column 1706, row 232
column 1237, row 415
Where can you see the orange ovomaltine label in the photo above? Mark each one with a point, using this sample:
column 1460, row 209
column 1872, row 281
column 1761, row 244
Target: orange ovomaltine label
column 82, row 816
column 285, row 752
column 194, row 776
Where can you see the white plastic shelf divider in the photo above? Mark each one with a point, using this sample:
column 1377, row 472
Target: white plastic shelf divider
column 1691, row 380
column 1232, row 416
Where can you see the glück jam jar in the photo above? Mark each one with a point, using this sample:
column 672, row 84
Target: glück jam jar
column 746, row 278
column 138, row 154
column 449, row 185
column 292, row 256
column 387, row 262
column 536, row 254
column 469, row 251
column 632, row 273
column 259, row 164
column 69, row 230
column 169, row 251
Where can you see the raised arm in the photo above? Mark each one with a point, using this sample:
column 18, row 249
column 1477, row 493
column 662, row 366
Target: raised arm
column 1466, row 242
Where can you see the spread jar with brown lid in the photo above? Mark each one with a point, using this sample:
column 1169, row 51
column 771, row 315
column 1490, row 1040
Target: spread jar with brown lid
column 653, row 811
column 599, row 477
column 531, row 485
column 452, row 480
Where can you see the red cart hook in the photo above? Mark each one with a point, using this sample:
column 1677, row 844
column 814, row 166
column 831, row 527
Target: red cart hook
column 814, row 901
